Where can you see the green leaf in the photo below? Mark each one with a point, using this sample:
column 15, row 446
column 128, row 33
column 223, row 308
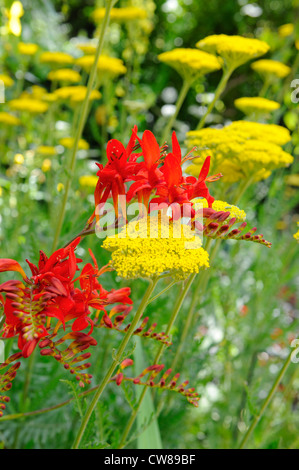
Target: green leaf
column 150, row 438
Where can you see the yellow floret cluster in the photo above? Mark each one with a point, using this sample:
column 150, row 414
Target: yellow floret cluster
column 29, row 105
column 52, row 58
column 256, row 105
column 234, row 50
column 240, row 150
column 296, row 235
column 268, row 67
column 75, row 93
column 64, row 75
column 190, row 63
column 121, row 14
column 110, row 66
column 151, row 247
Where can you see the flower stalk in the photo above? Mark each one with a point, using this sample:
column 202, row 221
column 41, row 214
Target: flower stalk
column 117, row 359
column 81, row 123
column 267, row 401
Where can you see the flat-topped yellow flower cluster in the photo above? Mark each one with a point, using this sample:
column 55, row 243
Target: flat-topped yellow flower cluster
column 151, row 246
column 240, row 150
column 190, row 63
column 233, row 50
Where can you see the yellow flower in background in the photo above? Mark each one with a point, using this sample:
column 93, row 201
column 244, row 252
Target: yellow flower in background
column 64, row 75
column 190, row 63
column 256, row 105
column 87, row 48
column 88, row 181
column 48, row 150
column 60, row 187
column 296, row 235
column 38, row 91
column 234, row 50
column 121, row 14
column 286, row 30
column 267, row 67
column 49, row 97
column 79, row 96
column 237, row 155
column 68, row 142
column 76, row 93
column 6, row 80
column 46, row 166
column 27, row 48
column 60, row 58
column 110, row 66
column 292, row 180
column 29, row 105
column 18, row 159
column 14, row 14
column 9, row 119
column 273, row 133
column 150, row 247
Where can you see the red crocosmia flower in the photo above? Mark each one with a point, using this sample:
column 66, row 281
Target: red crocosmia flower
column 50, row 292
column 197, row 187
column 119, row 169
column 148, row 177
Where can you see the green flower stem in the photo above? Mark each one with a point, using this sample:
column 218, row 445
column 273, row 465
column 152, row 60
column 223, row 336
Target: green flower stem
column 162, row 292
column 200, row 288
column 172, row 320
column 240, row 191
column 218, row 92
column 117, row 359
column 182, row 95
column 267, row 401
column 81, row 123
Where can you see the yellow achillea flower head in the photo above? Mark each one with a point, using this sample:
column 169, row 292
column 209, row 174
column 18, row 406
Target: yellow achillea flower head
column 88, row 181
column 238, row 154
column 46, row 166
column 48, row 150
column 296, row 235
column 14, row 14
column 286, row 30
column 292, row 180
column 268, row 68
column 190, row 63
column 64, row 75
column 218, row 206
column 110, row 66
column 6, row 80
column 256, row 105
column 121, row 14
column 148, row 248
column 87, row 48
column 52, row 58
column 9, row 119
column 76, row 93
column 28, row 105
column 68, row 142
column 234, row 50
column 27, row 48
column 273, row 133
